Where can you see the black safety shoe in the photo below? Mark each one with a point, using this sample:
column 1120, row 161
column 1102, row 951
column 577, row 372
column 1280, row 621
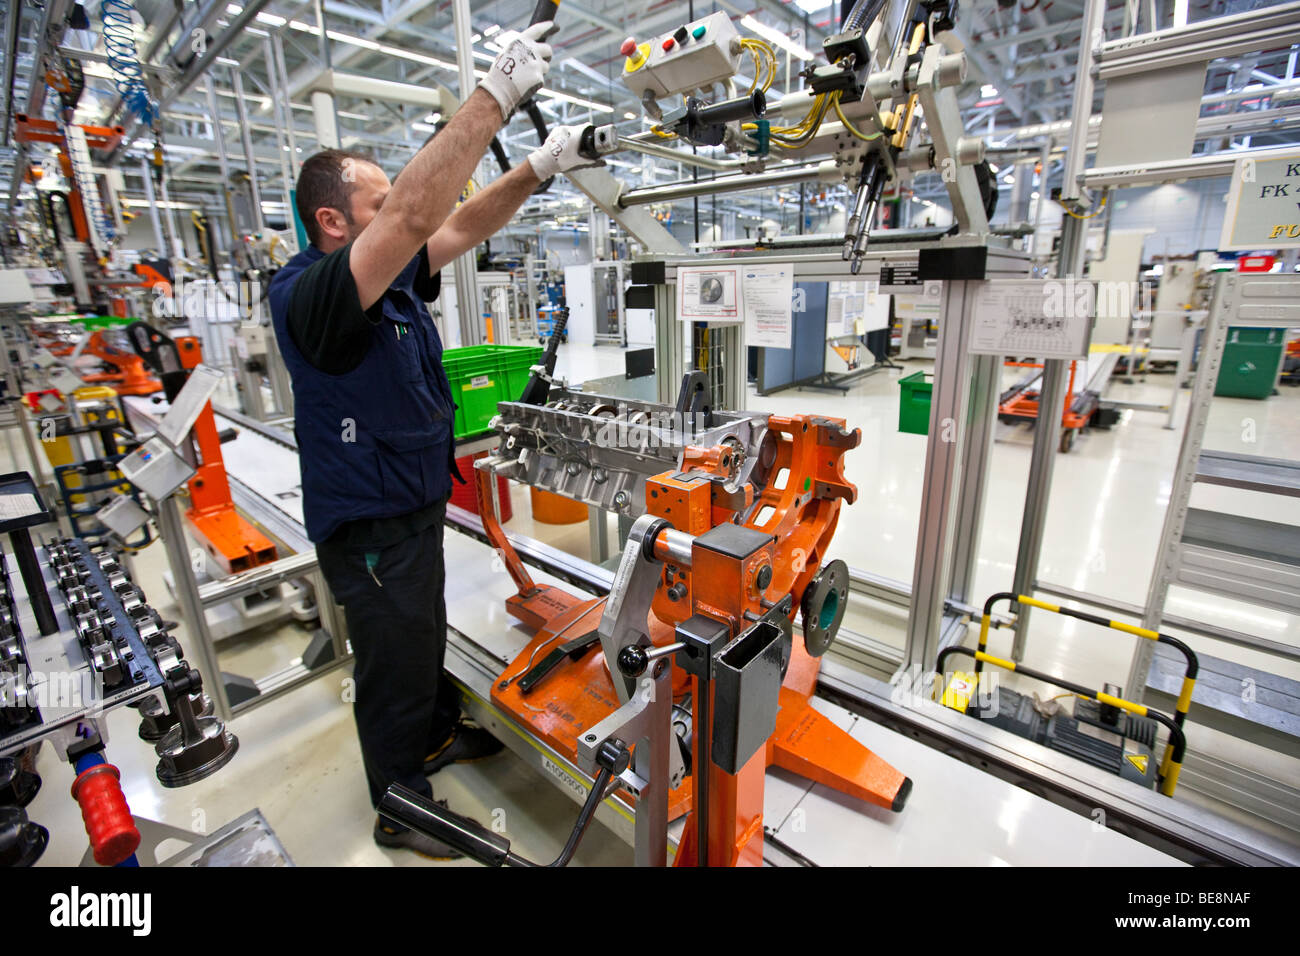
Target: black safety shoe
column 466, row 744
column 395, row 838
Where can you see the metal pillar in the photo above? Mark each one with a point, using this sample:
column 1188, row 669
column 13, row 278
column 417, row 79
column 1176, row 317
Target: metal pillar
column 281, row 74
column 958, row 429
column 14, row 383
column 980, row 418
column 598, row 534
column 281, row 384
column 322, row 36
column 199, row 641
column 169, row 218
column 327, row 127
column 1051, row 398
column 466, row 266
column 670, row 344
column 223, row 163
column 246, row 136
column 282, row 125
column 147, row 175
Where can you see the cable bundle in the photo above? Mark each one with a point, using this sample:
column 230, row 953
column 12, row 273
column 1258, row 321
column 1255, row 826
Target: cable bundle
column 128, row 71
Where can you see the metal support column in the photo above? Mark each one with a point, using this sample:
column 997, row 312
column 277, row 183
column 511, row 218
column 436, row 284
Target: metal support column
column 598, row 534
column 250, row 157
column 279, row 106
column 15, row 387
column 169, row 218
column 147, row 175
column 327, row 127
column 281, row 75
column 322, row 103
column 980, row 418
column 670, row 345
column 952, row 429
column 198, row 644
column 223, row 163
column 466, row 266
column 1051, row 397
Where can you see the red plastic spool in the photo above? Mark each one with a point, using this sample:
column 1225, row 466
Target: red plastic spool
column 112, row 832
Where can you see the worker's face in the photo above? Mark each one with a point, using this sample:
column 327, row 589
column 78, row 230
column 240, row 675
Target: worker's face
column 369, row 187
column 367, row 196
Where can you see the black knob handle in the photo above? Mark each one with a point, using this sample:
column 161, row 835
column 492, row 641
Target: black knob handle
column 633, row 660
column 613, row 756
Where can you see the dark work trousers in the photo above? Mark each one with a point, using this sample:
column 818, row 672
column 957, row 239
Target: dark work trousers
column 405, row 705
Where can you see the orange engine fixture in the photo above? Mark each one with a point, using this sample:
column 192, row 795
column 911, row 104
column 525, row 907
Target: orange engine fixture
column 130, row 377
column 232, row 540
column 555, row 688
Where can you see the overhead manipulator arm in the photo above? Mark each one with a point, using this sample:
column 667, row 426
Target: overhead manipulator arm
column 852, row 58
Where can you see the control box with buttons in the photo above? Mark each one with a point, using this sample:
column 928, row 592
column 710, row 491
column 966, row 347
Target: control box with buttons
column 689, row 57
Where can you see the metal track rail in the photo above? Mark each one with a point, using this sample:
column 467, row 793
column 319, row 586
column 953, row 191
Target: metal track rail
column 1182, row 830
column 1175, row 827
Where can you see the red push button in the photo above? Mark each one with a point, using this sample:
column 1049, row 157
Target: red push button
column 628, row 46
column 669, row 44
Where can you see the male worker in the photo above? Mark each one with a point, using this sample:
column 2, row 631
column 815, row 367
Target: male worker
column 374, row 408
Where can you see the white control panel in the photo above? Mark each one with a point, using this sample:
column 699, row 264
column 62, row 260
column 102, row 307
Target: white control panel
column 688, row 57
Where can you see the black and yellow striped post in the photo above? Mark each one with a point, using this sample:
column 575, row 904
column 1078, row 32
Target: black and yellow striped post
column 1170, row 766
column 1189, row 675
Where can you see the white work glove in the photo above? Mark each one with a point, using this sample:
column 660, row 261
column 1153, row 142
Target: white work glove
column 518, row 72
column 559, row 153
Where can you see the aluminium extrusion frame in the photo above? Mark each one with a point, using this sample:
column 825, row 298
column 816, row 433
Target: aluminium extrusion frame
column 601, row 287
column 1271, row 799
column 1100, row 59
column 963, row 411
column 1122, row 57
column 1254, row 30
column 1263, row 300
column 194, row 598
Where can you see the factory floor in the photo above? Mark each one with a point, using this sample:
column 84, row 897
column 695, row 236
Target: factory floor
column 299, row 760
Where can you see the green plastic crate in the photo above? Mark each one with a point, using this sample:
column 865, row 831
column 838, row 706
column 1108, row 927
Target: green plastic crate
column 1252, row 359
column 914, row 403
column 481, row 376
column 94, row 323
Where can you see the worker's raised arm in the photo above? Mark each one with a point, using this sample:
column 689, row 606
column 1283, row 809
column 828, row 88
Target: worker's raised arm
column 425, row 193
column 488, row 211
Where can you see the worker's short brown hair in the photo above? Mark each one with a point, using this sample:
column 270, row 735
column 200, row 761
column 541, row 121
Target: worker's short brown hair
column 325, row 183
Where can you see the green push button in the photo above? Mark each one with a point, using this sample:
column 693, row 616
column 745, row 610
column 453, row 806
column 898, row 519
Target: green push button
column 699, row 31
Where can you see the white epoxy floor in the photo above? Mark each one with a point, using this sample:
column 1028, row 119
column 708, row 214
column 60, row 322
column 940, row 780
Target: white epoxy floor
column 299, row 760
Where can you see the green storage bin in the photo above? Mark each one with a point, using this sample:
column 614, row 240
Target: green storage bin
column 96, row 323
column 1252, row 358
column 483, row 375
column 914, row 403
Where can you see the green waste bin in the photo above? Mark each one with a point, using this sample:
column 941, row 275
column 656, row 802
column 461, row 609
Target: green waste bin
column 481, row 376
column 1252, row 358
column 914, row 403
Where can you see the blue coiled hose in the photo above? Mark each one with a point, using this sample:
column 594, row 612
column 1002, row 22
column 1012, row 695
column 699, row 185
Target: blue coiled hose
column 119, row 41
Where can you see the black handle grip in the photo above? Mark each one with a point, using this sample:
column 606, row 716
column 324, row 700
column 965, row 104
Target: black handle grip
column 405, row 806
column 749, row 107
column 545, row 10
column 557, row 326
